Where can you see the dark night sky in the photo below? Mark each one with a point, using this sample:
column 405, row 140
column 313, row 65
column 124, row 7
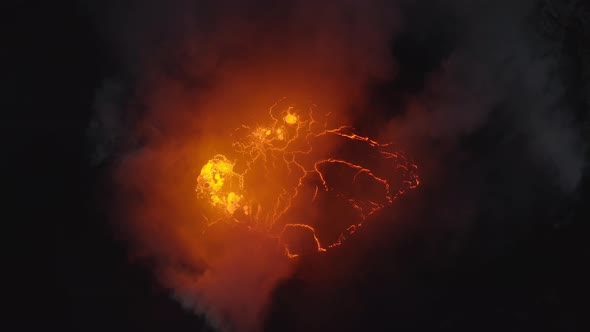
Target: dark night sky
column 60, row 60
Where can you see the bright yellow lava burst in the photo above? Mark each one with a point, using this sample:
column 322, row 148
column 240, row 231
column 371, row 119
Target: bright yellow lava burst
column 290, row 119
column 217, row 181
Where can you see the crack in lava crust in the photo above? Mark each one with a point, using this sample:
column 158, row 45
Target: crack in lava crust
column 274, row 173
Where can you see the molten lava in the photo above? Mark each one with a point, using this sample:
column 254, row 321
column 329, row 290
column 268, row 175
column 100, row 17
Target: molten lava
column 219, row 183
column 275, row 175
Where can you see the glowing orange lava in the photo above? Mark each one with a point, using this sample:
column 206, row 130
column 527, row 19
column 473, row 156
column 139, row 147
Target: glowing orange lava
column 274, row 176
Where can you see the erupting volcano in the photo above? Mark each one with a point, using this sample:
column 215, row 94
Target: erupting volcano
column 273, row 178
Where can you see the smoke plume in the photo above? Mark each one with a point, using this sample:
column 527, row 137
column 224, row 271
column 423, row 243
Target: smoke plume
column 488, row 119
column 192, row 69
column 498, row 68
column 492, row 122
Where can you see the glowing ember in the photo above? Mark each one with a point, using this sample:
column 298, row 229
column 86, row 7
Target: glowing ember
column 290, row 118
column 282, row 176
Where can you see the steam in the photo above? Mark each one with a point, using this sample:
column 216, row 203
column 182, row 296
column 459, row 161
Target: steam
column 501, row 65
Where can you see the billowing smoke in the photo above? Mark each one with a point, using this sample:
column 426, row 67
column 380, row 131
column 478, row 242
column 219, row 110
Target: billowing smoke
column 481, row 105
column 193, row 69
column 494, row 121
column 500, row 66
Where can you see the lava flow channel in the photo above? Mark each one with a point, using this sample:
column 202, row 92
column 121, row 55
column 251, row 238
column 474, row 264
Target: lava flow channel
column 273, row 177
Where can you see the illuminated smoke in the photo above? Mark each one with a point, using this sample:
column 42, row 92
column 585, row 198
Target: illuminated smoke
column 193, row 70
